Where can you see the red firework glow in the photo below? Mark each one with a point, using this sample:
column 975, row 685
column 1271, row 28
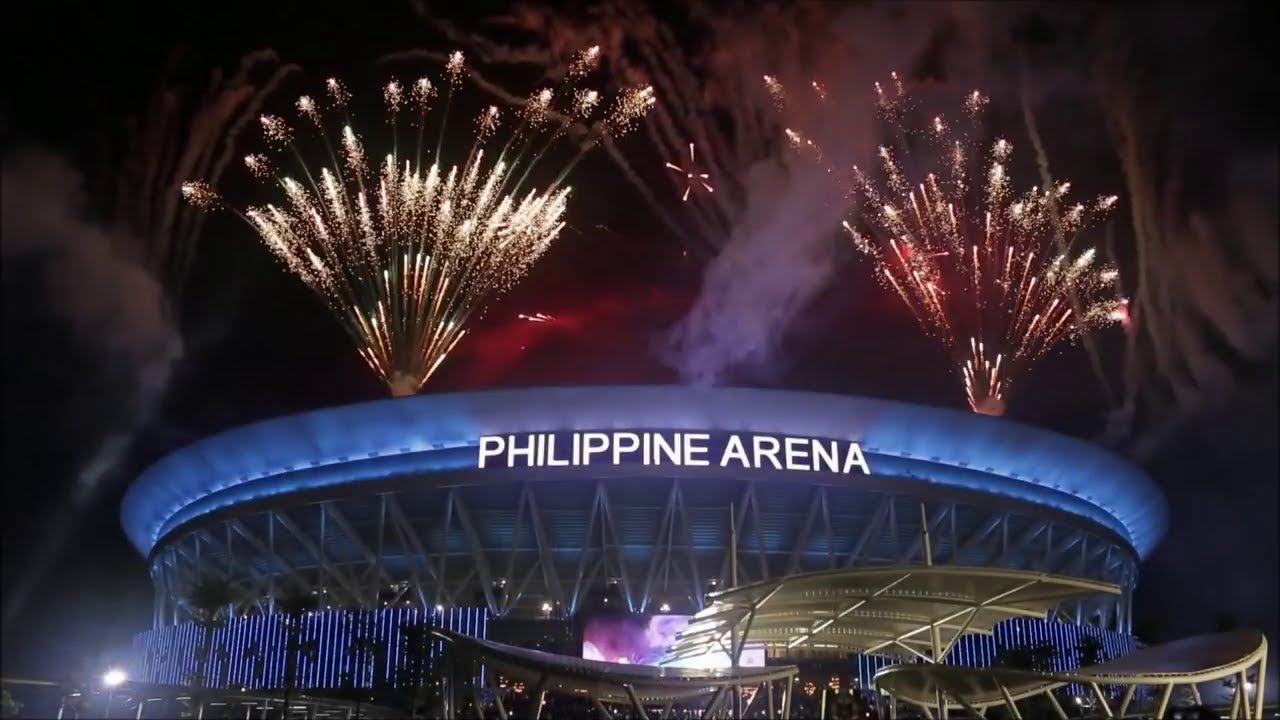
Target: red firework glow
column 993, row 274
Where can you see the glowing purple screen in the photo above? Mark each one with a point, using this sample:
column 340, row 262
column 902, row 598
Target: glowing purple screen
column 644, row 639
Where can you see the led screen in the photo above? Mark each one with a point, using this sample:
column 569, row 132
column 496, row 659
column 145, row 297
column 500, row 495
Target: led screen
column 644, row 639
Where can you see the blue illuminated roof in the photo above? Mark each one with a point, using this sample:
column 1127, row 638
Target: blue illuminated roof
column 438, row 433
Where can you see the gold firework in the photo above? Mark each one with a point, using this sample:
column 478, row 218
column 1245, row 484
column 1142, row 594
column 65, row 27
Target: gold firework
column 403, row 251
column 978, row 264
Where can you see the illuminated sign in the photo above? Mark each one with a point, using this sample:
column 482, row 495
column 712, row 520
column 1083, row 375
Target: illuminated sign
column 686, row 449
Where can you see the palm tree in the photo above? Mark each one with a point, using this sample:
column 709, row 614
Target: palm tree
column 1090, row 650
column 209, row 601
column 9, row 708
column 294, row 607
column 363, row 648
column 415, row 676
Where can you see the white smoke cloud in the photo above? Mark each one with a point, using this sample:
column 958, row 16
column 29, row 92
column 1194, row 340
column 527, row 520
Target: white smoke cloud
column 112, row 303
column 105, row 296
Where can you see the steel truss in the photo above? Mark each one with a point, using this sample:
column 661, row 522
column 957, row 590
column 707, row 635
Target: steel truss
column 1239, row 657
column 553, row 547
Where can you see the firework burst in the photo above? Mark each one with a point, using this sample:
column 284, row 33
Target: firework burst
column 692, row 177
column 977, row 263
column 405, row 251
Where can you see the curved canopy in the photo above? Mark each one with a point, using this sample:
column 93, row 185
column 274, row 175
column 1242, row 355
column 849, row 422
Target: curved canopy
column 607, row 682
column 429, row 434
column 1188, row 661
column 880, row 610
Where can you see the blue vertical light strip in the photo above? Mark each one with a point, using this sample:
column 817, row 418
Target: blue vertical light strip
column 235, row 654
column 337, row 650
column 247, row 662
column 220, row 657
column 186, row 654
column 277, row 646
column 173, row 653
column 238, row 659
column 395, row 643
column 322, row 677
column 322, row 645
column 339, row 633
column 227, row 655
column 329, row 679
column 264, row 627
column 387, row 627
column 312, row 638
column 170, row 655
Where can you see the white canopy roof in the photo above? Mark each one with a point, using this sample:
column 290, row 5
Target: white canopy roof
column 881, row 610
column 1188, row 661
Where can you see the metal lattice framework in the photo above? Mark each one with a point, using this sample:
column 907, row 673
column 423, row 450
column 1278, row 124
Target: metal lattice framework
column 1190, row 662
column 911, row 611
column 515, row 547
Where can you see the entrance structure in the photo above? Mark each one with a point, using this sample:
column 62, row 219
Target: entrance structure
column 1239, row 656
column 598, row 682
column 910, row 611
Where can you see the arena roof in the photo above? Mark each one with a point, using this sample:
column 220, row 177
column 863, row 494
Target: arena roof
column 440, row 433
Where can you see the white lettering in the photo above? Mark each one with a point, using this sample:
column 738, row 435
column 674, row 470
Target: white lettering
column 690, row 449
column 758, row 445
column 552, row 460
column 513, row 451
column 824, row 456
column 855, row 459
column 695, row 450
column 672, row 451
column 796, row 453
column 593, row 443
column 624, row 442
column 735, row 451
column 490, row 446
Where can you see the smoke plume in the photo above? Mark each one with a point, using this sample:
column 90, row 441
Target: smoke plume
column 782, row 239
column 103, row 295
column 116, row 307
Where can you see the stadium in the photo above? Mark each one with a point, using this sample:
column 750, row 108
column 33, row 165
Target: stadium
column 548, row 507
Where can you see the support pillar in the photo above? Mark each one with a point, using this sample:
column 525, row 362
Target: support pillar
column 1261, row 688
column 635, row 702
column 786, row 699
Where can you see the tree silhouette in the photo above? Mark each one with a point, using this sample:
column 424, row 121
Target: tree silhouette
column 209, row 600
column 294, row 606
column 1090, row 650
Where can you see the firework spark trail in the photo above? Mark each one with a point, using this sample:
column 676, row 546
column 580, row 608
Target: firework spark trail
column 683, row 114
column 693, row 178
column 977, row 264
column 166, row 150
column 765, row 231
column 405, row 254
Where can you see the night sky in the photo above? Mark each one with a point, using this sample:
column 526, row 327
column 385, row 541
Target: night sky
column 256, row 344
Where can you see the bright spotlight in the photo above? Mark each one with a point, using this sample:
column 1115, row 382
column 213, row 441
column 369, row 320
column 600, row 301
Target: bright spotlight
column 546, row 607
column 115, row 677
column 664, row 608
